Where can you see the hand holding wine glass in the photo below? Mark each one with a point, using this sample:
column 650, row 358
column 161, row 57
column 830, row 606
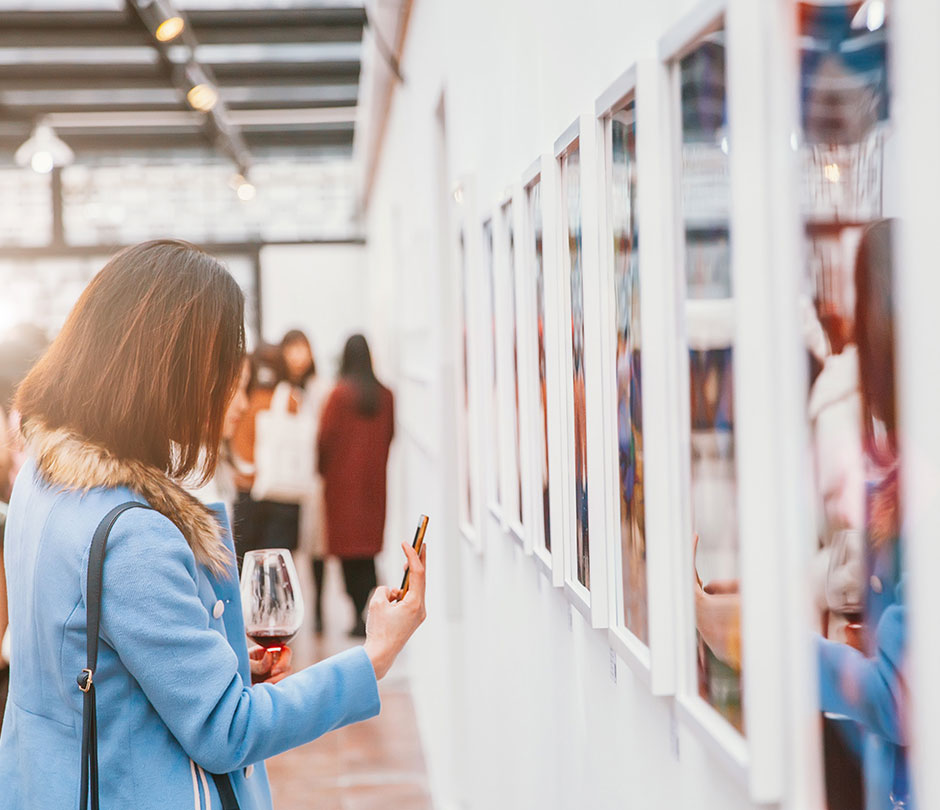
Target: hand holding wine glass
column 845, row 582
column 268, row 666
column 392, row 621
column 272, row 603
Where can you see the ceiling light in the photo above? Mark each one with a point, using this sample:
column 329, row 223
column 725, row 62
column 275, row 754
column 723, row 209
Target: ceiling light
column 202, row 97
column 169, row 29
column 163, row 20
column 42, row 162
column 44, row 150
column 245, row 191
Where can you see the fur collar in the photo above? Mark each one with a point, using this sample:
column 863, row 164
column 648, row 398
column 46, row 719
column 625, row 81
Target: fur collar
column 66, row 460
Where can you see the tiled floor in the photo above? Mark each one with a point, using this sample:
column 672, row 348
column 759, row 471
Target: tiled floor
column 375, row 765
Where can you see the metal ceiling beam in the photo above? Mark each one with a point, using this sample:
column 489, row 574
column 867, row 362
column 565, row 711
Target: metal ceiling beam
column 90, row 142
column 101, row 75
column 162, row 119
column 223, row 35
column 29, row 29
column 257, row 18
column 33, row 104
column 219, row 129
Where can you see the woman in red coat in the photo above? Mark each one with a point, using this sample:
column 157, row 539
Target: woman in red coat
column 356, row 429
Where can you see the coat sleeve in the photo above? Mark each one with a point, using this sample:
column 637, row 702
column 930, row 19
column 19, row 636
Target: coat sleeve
column 870, row 691
column 154, row 619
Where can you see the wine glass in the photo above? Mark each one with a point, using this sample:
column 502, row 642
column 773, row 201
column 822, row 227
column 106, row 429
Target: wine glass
column 845, row 582
column 272, row 604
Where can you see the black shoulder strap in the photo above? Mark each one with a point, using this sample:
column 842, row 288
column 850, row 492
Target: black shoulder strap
column 86, row 679
column 226, row 791
column 89, row 784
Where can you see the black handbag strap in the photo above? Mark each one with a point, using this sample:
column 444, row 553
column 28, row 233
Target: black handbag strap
column 86, row 679
column 226, row 791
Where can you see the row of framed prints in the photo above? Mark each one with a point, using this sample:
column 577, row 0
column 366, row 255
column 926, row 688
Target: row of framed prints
column 564, row 423
column 605, row 321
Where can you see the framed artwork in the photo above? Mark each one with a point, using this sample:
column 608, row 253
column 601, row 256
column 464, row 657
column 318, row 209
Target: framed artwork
column 490, row 325
column 585, row 563
column 740, row 482
column 466, row 363
column 639, row 408
column 511, row 401
column 620, row 321
column 544, row 387
column 707, row 565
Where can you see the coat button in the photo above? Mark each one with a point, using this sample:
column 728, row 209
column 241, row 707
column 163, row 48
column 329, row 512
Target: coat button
column 249, row 771
column 218, row 610
column 876, row 585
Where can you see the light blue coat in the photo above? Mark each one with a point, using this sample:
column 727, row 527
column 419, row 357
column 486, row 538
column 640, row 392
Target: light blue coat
column 174, row 696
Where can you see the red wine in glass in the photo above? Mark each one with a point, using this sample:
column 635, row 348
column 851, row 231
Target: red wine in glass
column 271, row 639
column 272, row 604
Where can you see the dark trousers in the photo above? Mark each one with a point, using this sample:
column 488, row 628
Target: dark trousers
column 360, row 581
column 843, row 770
column 318, row 571
column 265, row 524
column 4, row 687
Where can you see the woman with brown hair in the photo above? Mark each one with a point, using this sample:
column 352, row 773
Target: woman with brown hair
column 128, row 401
column 356, row 432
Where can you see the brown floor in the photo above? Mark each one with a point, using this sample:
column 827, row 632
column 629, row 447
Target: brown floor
column 375, row 765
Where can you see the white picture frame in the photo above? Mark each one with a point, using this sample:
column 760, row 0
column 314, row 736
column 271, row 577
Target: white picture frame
column 654, row 662
column 488, row 341
column 544, row 446
column 770, row 506
column 713, row 730
column 464, row 239
column 589, row 598
column 505, row 217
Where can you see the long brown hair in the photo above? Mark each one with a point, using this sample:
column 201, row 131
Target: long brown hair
column 297, row 336
column 147, row 361
column 874, row 331
column 356, row 369
column 874, row 327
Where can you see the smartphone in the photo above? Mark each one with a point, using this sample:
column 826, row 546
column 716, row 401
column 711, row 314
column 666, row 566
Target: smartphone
column 416, row 545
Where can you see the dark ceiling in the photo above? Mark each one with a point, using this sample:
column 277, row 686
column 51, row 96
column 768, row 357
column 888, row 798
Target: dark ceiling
column 287, row 77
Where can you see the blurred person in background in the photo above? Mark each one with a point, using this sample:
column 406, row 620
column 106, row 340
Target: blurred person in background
column 280, row 496
column 264, row 373
column 5, row 465
column 130, row 400
column 220, row 489
column 356, row 431
column 301, row 372
column 17, row 354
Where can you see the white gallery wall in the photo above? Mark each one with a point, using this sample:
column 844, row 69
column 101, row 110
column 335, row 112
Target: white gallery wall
column 317, row 288
column 515, row 692
column 521, row 703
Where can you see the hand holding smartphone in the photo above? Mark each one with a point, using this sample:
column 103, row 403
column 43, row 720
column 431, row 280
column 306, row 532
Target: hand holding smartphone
column 416, row 545
column 393, row 616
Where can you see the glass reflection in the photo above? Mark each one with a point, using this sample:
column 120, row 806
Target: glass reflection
column 571, row 185
column 709, row 314
column 848, row 328
column 534, row 202
column 623, row 190
column 511, row 265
